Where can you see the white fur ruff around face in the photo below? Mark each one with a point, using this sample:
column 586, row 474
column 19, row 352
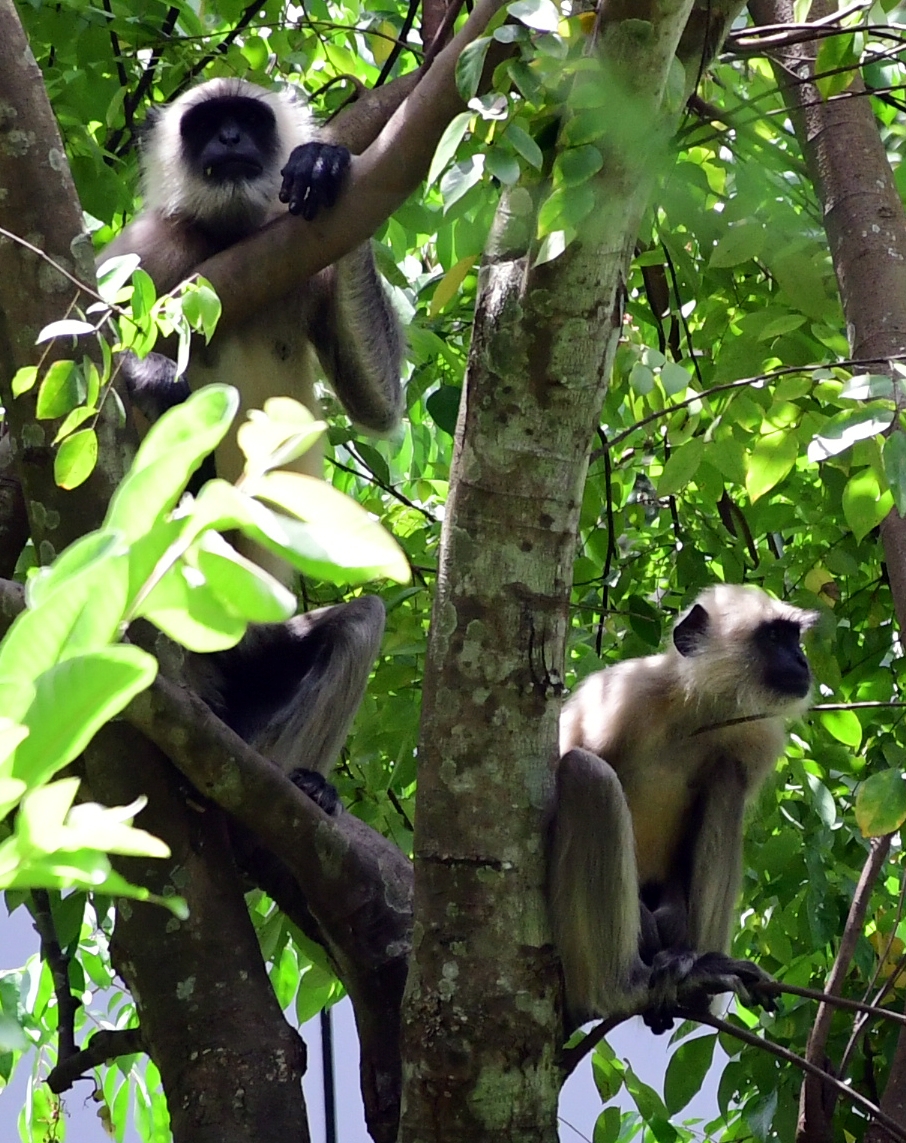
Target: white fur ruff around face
column 171, row 190
column 720, row 678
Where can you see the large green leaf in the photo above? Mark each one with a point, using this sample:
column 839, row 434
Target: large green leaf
column 72, row 702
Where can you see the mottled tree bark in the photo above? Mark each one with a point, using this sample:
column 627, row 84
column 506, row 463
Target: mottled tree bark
column 482, row 1021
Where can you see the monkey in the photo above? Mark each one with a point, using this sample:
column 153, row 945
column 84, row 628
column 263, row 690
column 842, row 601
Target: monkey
column 218, row 163
column 658, row 757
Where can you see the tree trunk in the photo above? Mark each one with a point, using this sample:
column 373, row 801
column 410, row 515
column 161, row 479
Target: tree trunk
column 482, row 1019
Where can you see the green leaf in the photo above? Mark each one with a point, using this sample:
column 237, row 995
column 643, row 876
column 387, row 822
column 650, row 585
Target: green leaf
column 577, row 164
column 337, row 530
column 771, row 458
column 242, row 587
column 843, row 430
column 109, row 828
column 72, row 702
column 565, row 207
column 681, row 467
column 881, row 803
column 502, row 166
column 741, row 243
column 83, row 555
column 443, row 405
column 542, row 15
column 686, row 1071
column 674, row 378
column 76, row 458
column 525, row 145
column 760, row 1114
column 173, row 449
column 276, row 435
column 202, row 307
column 865, row 505
column 68, row 327
column 83, row 614
column 191, row 612
column 449, row 141
column 844, row 725
column 470, row 65
column 608, row 1126
column 114, row 273
column 60, row 391
column 24, row 379
column 838, row 59
column 894, row 454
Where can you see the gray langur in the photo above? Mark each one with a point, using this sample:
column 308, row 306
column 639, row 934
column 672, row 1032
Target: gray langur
column 659, row 756
column 217, row 164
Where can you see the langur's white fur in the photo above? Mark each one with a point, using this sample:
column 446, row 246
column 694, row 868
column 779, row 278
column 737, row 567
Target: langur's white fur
column 645, row 751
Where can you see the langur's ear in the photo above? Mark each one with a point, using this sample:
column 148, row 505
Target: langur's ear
column 808, row 619
column 691, row 631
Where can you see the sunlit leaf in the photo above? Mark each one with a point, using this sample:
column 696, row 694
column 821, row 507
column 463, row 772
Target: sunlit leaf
column 865, row 504
column 844, row 725
column 881, row 803
column 76, row 458
column 771, row 458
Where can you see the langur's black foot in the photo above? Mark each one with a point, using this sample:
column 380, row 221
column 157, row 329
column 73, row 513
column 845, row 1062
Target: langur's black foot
column 312, row 178
column 321, row 792
column 688, row 981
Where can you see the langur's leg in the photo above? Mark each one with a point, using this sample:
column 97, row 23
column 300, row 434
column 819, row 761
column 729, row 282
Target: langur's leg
column 688, row 975
column 292, row 689
column 593, row 890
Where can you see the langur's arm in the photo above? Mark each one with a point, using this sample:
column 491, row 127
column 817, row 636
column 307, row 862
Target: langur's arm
column 359, row 341
column 593, row 889
column 170, row 250
column 292, row 689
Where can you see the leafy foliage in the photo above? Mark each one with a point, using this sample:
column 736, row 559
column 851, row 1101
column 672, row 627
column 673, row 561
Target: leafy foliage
column 735, row 444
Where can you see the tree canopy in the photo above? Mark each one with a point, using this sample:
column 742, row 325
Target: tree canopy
column 656, row 319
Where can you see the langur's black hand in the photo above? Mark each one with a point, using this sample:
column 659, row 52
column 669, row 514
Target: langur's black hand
column 313, row 177
column 689, row 980
column 321, row 792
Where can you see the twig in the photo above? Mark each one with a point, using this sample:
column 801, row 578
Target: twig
column 789, row 1057
column 572, row 1057
column 104, row 1046
column 742, row 383
column 817, row 1100
column 58, row 963
column 397, row 49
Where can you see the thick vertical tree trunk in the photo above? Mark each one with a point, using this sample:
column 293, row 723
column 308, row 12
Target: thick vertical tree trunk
column 482, row 1023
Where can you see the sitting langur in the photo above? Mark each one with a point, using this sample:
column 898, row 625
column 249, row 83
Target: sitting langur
column 216, row 166
column 659, row 757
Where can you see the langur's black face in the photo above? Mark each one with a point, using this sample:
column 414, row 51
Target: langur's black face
column 231, row 138
column 785, row 669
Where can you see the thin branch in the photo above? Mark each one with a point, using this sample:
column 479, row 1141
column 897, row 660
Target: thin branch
column 744, row 382
column 58, row 963
column 397, row 49
column 747, row 1037
column 778, row 988
column 572, row 1057
column 104, row 1047
column 816, row 1104
column 89, row 290
column 133, row 101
